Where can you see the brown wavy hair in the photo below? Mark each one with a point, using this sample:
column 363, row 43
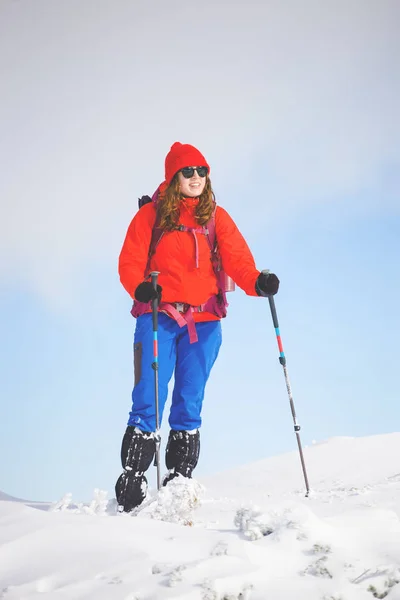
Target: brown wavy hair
column 169, row 201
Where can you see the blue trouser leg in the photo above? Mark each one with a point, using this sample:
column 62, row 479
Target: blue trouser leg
column 143, row 413
column 193, row 366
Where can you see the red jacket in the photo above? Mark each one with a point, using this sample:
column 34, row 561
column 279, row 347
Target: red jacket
column 175, row 257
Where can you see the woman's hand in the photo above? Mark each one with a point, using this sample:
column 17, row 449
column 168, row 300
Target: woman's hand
column 146, row 292
column 267, row 284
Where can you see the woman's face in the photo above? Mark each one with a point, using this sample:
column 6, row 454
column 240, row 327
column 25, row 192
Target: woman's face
column 192, row 187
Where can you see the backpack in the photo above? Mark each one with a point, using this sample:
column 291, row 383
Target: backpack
column 217, row 304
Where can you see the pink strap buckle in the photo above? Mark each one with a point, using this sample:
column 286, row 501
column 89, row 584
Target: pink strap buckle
column 182, row 319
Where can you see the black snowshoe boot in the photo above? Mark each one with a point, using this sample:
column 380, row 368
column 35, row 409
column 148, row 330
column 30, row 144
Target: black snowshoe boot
column 182, row 453
column 137, row 453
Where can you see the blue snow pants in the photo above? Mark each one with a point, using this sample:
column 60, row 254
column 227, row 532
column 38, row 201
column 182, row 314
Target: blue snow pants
column 192, row 364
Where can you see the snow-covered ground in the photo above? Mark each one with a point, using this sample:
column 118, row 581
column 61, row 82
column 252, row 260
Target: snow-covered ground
column 246, row 534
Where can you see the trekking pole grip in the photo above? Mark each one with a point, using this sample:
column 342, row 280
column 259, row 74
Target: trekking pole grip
column 154, row 280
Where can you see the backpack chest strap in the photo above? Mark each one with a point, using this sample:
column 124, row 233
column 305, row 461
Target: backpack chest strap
column 194, row 230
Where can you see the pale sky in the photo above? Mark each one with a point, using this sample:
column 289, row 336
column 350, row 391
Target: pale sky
column 295, row 106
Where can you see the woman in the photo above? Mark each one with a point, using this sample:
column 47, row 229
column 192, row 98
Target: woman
column 191, row 304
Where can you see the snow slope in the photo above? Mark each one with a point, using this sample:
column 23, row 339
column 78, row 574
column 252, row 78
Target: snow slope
column 8, row 498
column 254, row 536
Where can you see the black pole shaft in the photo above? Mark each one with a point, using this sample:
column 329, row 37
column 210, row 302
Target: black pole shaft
column 282, row 360
column 157, row 437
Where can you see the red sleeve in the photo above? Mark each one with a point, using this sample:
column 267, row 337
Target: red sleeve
column 237, row 260
column 135, row 250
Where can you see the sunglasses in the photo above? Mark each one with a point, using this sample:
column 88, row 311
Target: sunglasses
column 188, row 172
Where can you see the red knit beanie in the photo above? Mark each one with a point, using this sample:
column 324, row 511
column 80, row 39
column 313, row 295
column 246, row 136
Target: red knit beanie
column 182, row 155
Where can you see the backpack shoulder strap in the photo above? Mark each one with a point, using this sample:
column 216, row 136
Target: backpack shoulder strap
column 157, row 232
column 156, row 236
column 211, row 234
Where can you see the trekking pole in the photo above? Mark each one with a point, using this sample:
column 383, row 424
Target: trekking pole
column 282, row 360
column 157, row 437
